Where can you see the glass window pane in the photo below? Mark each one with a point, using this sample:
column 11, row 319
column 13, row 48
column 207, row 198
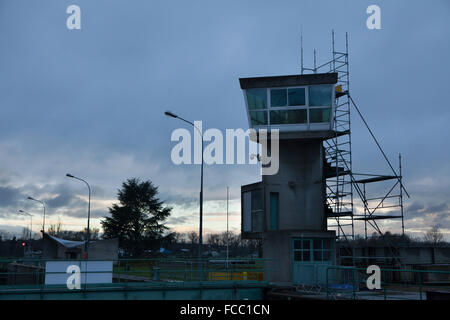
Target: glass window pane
column 326, row 256
column 257, row 221
column 297, row 244
column 247, row 218
column 317, row 244
column 297, row 256
column 326, row 244
column 278, row 97
column 306, row 256
column 257, row 199
column 320, row 95
column 296, row 97
column 258, row 118
column 256, row 98
column 306, row 245
column 317, row 255
column 257, row 210
column 319, row 115
column 288, row 116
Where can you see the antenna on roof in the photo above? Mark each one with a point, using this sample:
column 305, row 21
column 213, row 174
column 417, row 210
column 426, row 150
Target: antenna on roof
column 315, row 67
column 301, row 48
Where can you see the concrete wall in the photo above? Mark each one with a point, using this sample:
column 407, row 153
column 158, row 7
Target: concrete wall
column 300, row 185
column 104, row 249
column 277, row 249
column 49, row 249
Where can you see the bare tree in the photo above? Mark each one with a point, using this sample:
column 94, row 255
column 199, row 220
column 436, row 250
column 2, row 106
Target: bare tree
column 434, row 235
column 55, row 229
column 193, row 237
column 213, row 239
column 178, row 237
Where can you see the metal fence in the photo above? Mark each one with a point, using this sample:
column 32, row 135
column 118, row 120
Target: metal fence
column 315, row 281
column 396, row 284
column 35, row 273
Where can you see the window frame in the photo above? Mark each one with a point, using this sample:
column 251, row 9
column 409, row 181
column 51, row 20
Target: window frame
column 308, row 125
column 312, row 250
column 288, row 107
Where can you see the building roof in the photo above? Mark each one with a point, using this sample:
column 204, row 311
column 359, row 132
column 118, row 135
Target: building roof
column 288, row 81
column 66, row 243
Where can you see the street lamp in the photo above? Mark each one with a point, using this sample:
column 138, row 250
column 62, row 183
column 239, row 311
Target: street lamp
column 89, row 212
column 43, row 204
column 31, row 221
column 200, row 239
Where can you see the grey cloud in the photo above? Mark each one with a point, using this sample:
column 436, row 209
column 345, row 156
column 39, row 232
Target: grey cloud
column 9, row 196
column 438, row 208
column 181, row 200
column 429, row 214
column 420, row 209
column 177, row 220
column 65, row 197
column 415, row 209
column 81, row 212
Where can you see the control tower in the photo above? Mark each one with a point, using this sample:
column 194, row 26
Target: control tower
column 288, row 210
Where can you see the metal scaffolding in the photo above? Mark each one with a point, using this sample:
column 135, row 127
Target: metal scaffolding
column 341, row 181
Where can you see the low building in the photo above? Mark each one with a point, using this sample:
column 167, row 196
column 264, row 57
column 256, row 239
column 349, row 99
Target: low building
column 57, row 248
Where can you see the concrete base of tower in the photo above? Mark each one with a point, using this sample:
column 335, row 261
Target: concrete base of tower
column 298, row 257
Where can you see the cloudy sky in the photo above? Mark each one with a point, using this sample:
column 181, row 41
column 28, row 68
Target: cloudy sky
column 91, row 101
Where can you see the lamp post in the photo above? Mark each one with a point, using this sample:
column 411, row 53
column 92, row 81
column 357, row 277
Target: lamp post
column 89, row 212
column 31, row 221
column 228, row 236
column 43, row 204
column 200, row 238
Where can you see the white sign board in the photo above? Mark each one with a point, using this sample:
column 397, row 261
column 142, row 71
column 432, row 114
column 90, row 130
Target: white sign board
column 94, row 271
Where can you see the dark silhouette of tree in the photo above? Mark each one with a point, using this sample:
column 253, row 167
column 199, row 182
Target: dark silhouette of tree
column 138, row 220
column 193, row 239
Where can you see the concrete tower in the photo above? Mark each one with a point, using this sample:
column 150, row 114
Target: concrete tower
column 288, row 210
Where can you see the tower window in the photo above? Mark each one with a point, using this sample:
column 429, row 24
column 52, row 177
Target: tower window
column 278, row 97
column 320, row 95
column 258, row 118
column 296, row 96
column 288, row 116
column 257, row 99
column 319, row 115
